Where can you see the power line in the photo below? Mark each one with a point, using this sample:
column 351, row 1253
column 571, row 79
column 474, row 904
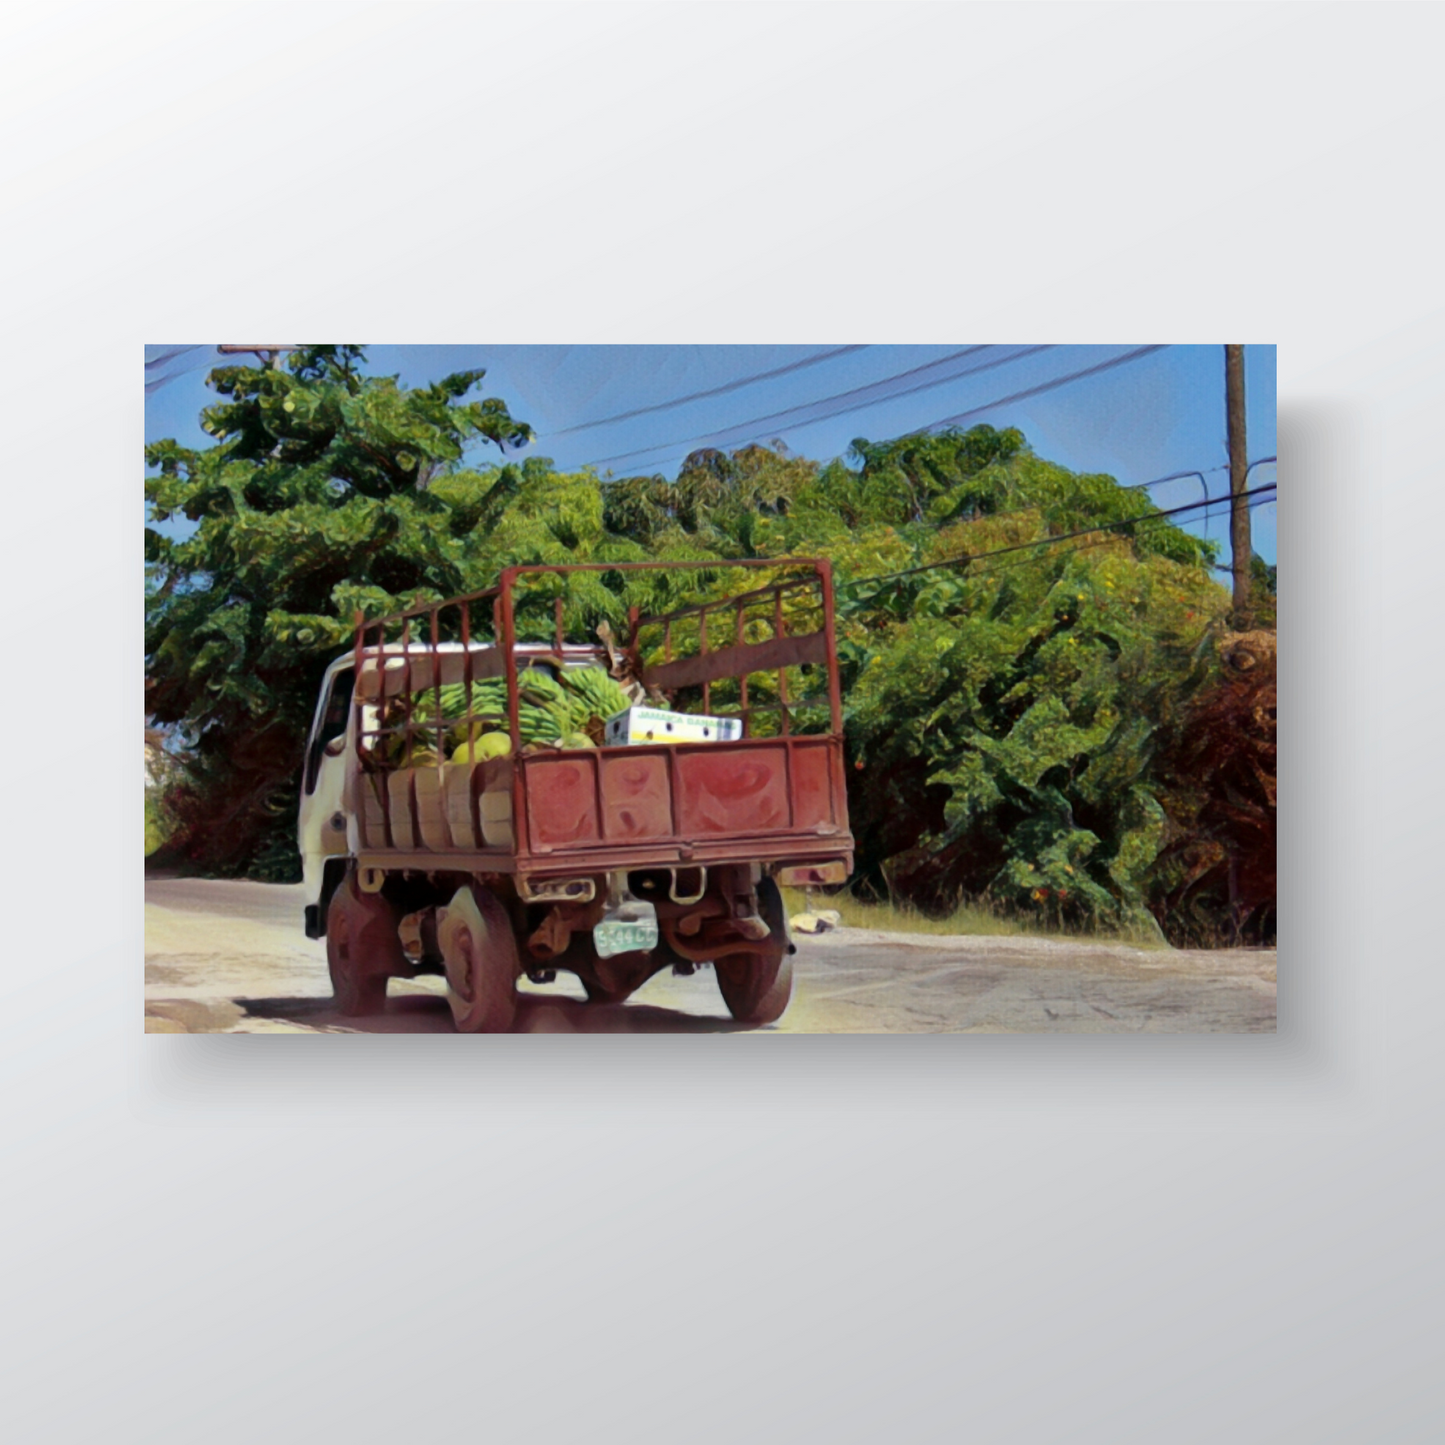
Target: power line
column 967, row 557
column 1203, row 479
column 790, row 416
column 1206, row 503
column 1132, row 487
column 1136, row 354
column 714, row 391
column 165, row 377
column 1184, row 476
column 745, row 428
column 1081, row 546
column 1258, row 501
column 166, row 356
column 1149, row 519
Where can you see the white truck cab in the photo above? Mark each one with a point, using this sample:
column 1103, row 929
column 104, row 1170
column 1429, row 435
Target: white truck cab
column 327, row 831
column 325, row 828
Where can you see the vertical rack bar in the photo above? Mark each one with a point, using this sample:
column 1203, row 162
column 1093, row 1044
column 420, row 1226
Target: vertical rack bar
column 835, row 699
column 509, row 660
column 409, row 821
column 702, row 652
column 739, row 637
column 595, row 763
column 359, row 715
column 558, row 613
column 406, row 686
column 383, row 737
column 631, row 646
column 466, row 611
column 475, row 817
column 521, row 840
column 436, row 662
column 782, row 671
column 633, row 614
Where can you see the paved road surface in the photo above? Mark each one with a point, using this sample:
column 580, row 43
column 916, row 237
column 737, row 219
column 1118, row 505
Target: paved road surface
column 232, row 958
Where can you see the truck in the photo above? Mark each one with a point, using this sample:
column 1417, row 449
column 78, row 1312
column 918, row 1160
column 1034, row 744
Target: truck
column 444, row 829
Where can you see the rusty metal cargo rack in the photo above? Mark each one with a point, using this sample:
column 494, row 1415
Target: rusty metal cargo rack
column 778, row 791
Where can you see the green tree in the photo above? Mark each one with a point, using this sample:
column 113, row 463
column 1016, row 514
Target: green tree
column 1005, row 718
column 720, row 506
column 327, row 491
column 937, row 476
column 1003, row 713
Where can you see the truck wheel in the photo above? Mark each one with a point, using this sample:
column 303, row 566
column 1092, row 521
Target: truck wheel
column 480, row 953
column 757, row 986
column 362, row 948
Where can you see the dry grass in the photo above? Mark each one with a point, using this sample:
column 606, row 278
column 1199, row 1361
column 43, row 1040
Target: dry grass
column 967, row 918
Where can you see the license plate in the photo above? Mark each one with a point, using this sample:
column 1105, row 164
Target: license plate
column 626, row 935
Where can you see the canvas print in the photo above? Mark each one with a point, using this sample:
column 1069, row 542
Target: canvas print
column 710, row 689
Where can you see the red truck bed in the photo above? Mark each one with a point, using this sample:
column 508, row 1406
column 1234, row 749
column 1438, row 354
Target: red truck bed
column 777, row 795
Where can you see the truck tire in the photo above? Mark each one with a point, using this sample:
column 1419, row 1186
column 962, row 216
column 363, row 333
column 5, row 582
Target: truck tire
column 363, row 949
column 757, row 986
column 479, row 950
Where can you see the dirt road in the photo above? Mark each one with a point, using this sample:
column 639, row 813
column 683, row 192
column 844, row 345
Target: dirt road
column 231, row 958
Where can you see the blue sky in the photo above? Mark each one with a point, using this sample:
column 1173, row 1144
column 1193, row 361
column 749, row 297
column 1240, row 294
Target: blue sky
column 1145, row 417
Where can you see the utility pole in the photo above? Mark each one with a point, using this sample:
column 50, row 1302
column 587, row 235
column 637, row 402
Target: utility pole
column 1239, row 543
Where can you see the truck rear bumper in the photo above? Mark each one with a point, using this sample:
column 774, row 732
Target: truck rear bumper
column 581, row 862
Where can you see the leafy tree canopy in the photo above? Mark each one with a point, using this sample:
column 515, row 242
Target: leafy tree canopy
column 327, row 491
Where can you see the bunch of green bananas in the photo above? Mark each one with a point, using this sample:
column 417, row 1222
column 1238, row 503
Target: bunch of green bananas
column 489, row 699
column 538, row 724
column 540, row 688
column 599, row 695
column 548, row 708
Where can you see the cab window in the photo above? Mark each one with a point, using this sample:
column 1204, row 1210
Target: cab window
column 333, row 723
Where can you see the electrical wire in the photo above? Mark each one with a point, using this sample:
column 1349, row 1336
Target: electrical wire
column 166, row 356
column 1207, row 501
column 740, row 431
column 714, row 391
column 966, row 557
column 1055, row 553
column 1181, row 476
column 1138, row 353
column 194, row 363
column 1260, row 501
column 721, row 437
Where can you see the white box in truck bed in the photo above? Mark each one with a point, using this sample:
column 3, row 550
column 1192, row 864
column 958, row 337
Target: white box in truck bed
column 657, row 725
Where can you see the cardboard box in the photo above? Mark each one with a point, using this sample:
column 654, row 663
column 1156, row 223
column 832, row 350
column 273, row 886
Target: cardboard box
column 657, row 725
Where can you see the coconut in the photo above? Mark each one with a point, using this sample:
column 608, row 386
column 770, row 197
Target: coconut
column 489, row 745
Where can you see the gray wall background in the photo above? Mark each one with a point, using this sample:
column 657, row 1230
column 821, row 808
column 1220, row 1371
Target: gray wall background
column 648, row 1239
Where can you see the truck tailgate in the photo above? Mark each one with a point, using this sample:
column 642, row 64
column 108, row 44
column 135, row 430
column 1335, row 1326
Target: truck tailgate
column 685, row 800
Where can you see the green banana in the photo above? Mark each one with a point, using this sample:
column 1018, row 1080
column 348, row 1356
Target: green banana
column 548, row 707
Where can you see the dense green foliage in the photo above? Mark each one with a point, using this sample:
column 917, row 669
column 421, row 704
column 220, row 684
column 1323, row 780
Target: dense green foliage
column 1004, row 716
column 327, row 491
